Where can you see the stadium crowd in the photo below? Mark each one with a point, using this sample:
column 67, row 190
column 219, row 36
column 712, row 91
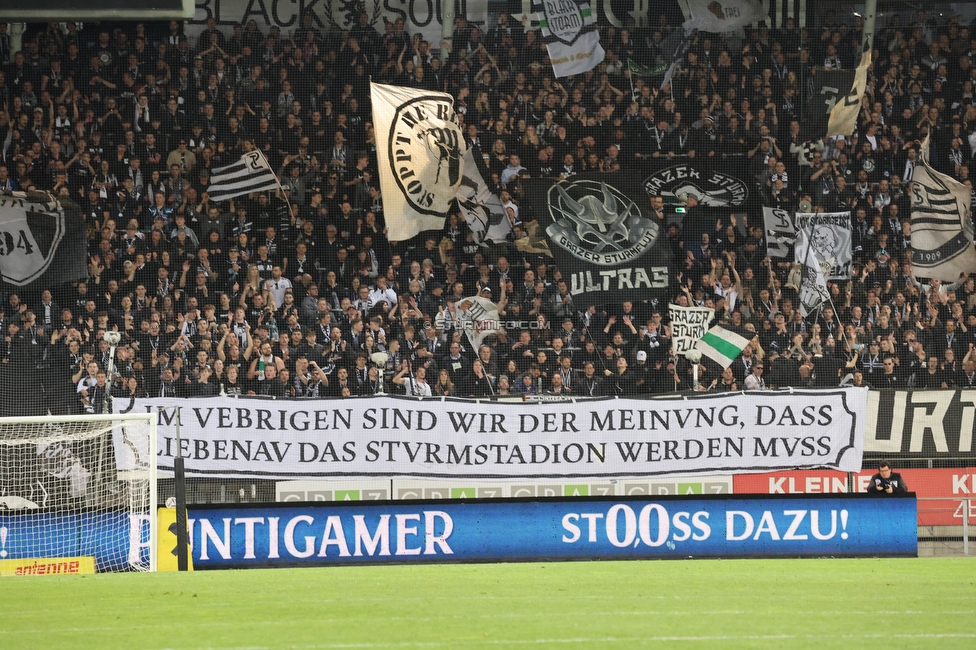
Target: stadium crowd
column 290, row 293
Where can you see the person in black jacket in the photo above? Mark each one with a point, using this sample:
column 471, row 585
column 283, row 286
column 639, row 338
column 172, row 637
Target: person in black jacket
column 886, row 482
column 477, row 383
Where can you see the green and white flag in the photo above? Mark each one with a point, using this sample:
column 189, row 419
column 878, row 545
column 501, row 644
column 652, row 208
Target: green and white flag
column 570, row 34
column 721, row 345
column 638, row 70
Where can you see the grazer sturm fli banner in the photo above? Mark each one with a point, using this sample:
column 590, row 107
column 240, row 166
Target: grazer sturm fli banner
column 688, row 324
column 403, row 437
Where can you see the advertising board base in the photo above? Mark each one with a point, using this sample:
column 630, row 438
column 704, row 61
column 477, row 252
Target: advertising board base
column 578, row 528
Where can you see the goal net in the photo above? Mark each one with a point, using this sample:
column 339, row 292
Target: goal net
column 77, row 491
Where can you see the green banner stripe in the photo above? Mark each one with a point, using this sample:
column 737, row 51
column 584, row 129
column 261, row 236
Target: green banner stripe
column 587, row 12
column 721, row 345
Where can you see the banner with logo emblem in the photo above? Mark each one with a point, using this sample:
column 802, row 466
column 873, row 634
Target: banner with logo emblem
column 569, row 32
column 34, row 230
column 721, row 184
column 420, row 151
column 824, row 236
column 603, row 236
column 942, row 225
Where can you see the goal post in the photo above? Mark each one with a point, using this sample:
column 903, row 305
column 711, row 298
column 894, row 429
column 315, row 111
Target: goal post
column 81, row 489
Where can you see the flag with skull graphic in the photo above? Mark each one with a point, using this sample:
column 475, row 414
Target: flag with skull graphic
column 823, row 252
column 603, row 236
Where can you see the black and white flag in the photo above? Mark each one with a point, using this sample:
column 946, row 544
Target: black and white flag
column 780, row 232
column 42, row 241
column 482, row 210
column 721, row 17
column 825, row 236
column 942, row 225
column 251, row 173
column 570, row 34
column 603, row 235
column 832, row 108
column 420, row 151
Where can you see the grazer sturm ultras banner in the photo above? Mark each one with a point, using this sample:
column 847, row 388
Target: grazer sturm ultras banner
column 570, row 34
column 34, row 230
column 942, row 225
column 406, row 437
column 603, row 235
column 357, row 532
column 688, row 324
column 420, row 151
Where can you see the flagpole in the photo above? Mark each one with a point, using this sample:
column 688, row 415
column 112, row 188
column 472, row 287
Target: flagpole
column 870, row 13
column 273, row 173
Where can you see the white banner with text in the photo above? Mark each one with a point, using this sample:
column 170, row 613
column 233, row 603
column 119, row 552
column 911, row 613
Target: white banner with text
column 403, row 437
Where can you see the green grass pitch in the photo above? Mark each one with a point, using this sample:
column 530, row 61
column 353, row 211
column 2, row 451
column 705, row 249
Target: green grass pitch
column 892, row 603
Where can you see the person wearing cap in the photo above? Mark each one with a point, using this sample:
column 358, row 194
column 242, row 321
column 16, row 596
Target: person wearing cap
column 641, row 373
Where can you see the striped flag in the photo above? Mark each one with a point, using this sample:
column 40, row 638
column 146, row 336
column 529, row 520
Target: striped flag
column 942, row 227
column 251, row 173
column 722, row 345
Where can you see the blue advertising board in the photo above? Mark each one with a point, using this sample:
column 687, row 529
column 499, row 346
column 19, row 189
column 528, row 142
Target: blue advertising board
column 117, row 540
column 570, row 528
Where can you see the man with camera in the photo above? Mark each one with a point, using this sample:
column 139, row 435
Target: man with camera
column 886, row 482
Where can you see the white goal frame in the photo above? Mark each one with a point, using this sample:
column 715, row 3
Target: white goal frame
column 120, row 418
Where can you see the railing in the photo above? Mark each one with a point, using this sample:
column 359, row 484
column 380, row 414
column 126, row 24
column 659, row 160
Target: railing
column 945, row 533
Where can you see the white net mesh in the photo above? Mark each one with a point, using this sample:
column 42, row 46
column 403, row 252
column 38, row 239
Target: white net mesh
column 78, row 487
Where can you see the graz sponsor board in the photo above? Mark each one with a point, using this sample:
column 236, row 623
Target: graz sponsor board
column 560, row 528
column 405, row 489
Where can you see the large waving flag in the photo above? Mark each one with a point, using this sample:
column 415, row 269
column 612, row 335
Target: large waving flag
column 843, row 117
column 482, row 210
column 832, row 108
column 569, row 32
column 42, row 241
column 721, row 15
column 420, row 150
column 251, row 173
column 942, row 225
